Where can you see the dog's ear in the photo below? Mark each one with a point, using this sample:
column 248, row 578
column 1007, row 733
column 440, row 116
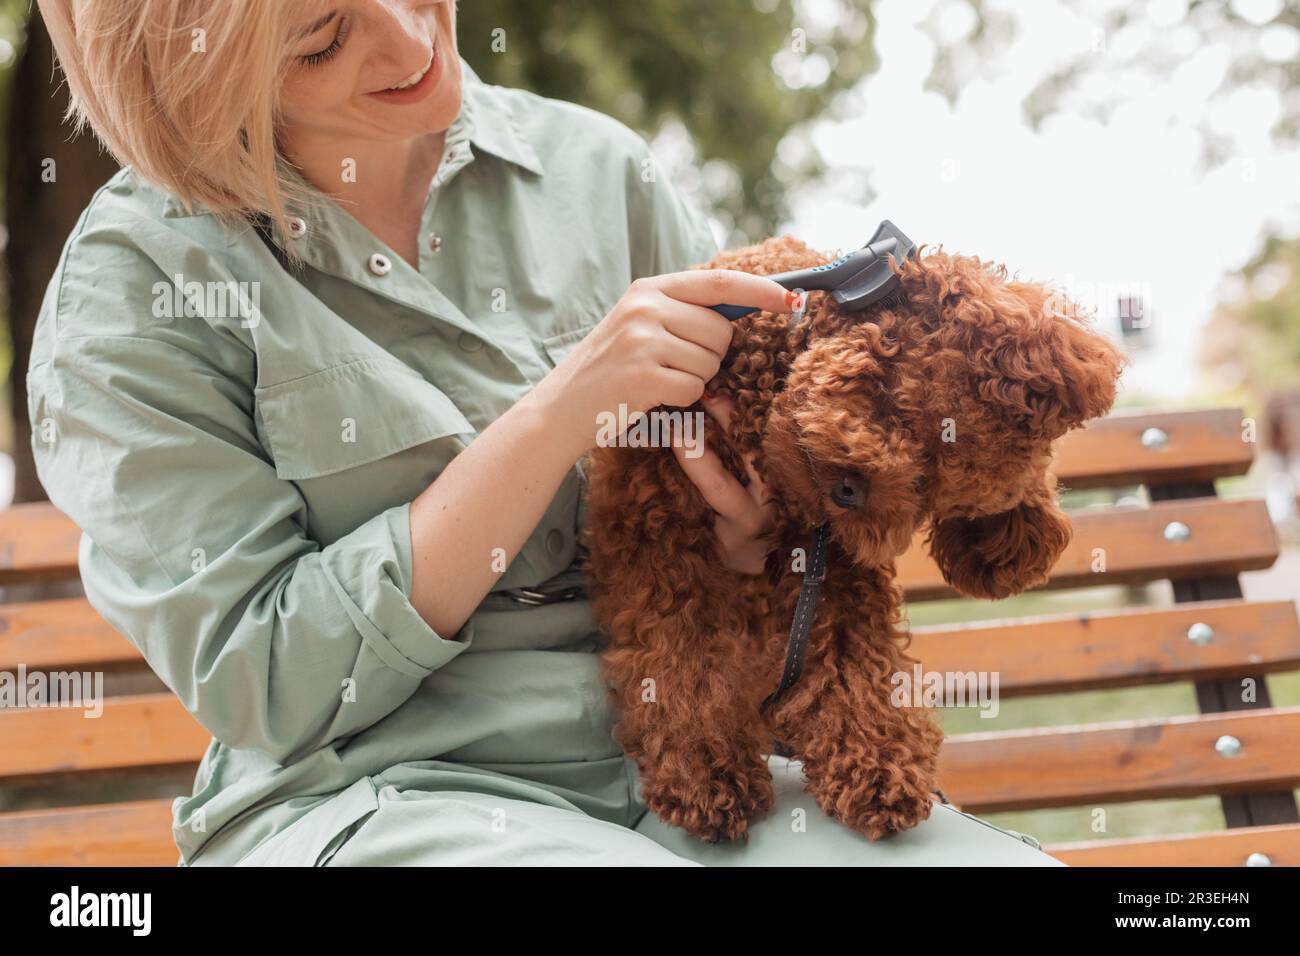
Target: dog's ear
column 996, row 556
column 1060, row 372
column 1025, row 349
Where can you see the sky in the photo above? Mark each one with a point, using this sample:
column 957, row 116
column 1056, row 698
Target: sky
column 1101, row 209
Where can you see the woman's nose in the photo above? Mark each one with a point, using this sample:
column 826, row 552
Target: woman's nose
column 404, row 33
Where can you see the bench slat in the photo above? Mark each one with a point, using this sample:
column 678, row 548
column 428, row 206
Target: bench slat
column 1131, row 760
column 1118, row 648
column 1222, row 848
column 143, row 730
column 37, row 542
column 1031, row 656
column 981, row 772
column 1199, row 446
column 1227, row 537
column 64, row 634
column 117, row 834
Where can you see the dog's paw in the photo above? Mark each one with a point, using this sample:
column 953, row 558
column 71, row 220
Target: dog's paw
column 716, row 805
column 868, row 802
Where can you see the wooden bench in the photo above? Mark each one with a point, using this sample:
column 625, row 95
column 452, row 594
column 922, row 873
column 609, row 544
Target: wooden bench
column 1210, row 636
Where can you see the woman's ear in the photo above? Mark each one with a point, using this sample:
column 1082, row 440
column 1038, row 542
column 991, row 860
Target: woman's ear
column 996, row 556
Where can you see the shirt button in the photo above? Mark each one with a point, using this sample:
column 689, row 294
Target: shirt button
column 470, row 343
column 297, row 228
column 435, row 242
column 379, row 264
column 555, row 541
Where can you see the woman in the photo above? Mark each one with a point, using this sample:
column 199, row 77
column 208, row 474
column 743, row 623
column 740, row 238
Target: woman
column 335, row 257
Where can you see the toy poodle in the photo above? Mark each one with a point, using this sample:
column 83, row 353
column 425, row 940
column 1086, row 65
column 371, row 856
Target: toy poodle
column 934, row 411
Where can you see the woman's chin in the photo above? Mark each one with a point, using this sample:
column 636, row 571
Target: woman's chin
column 420, row 119
column 443, row 105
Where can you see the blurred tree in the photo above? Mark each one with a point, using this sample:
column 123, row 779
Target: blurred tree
column 738, row 76
column 1113, row 47
column 1253, row 340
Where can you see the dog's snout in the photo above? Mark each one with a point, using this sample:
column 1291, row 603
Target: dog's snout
column 851, row 490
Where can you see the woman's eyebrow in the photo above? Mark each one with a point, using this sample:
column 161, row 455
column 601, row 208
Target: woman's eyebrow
column 318, row 25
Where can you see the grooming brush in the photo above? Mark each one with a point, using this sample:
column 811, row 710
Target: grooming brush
column 855, row 280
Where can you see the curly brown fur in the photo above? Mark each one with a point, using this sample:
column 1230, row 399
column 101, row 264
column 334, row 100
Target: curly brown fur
column 942, row 405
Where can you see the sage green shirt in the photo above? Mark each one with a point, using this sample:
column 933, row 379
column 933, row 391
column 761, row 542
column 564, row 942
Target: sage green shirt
column 240, row 445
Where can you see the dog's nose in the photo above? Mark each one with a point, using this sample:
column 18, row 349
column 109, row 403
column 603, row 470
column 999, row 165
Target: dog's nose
column 851, row 491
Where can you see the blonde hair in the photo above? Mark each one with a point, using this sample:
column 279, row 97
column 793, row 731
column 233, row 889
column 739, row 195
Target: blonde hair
column 186, row 92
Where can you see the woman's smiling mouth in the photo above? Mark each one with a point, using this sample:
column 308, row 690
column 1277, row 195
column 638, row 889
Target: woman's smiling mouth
column 412, row 79
column 415, row 87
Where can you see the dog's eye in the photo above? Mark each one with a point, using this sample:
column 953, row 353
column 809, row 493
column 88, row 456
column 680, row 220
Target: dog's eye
column 850, row 491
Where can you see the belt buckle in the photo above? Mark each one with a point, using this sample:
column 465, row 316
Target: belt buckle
column 535, row 598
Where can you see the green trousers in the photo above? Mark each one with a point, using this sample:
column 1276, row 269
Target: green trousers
column 462, row 828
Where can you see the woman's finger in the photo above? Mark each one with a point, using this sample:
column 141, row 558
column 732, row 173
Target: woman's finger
column 677, row 388
column 686, row 356
column 719, row 487
column 710, row 287
column 721, row 407
column 702, row 326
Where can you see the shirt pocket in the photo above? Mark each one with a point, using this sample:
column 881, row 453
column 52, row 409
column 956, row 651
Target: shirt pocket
column 351, row 415
column 559, row 345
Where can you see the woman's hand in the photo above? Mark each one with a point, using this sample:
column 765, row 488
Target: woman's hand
column 744, row 514
column 659, row 345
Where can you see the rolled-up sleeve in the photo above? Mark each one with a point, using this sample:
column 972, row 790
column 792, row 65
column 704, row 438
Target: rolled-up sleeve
column 197, row 552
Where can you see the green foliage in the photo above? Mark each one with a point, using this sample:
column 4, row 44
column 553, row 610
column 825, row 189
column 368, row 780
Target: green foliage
column 733, row 72
column 13, row 31
column 1276, row 317
column 1268, row 314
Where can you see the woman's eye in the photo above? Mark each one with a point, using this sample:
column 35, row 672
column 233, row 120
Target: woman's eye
column 320, row 56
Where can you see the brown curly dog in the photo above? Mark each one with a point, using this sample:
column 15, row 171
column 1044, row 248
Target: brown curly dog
column 937, row 407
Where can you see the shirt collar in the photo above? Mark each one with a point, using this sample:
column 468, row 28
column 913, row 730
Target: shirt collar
column 489, row 122
column 485, row 122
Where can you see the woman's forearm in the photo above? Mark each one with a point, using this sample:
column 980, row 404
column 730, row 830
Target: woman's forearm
column 491, row 496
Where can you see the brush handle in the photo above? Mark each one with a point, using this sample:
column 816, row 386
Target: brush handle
column 732, row 312
column 802, row 280
column 857, row 278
